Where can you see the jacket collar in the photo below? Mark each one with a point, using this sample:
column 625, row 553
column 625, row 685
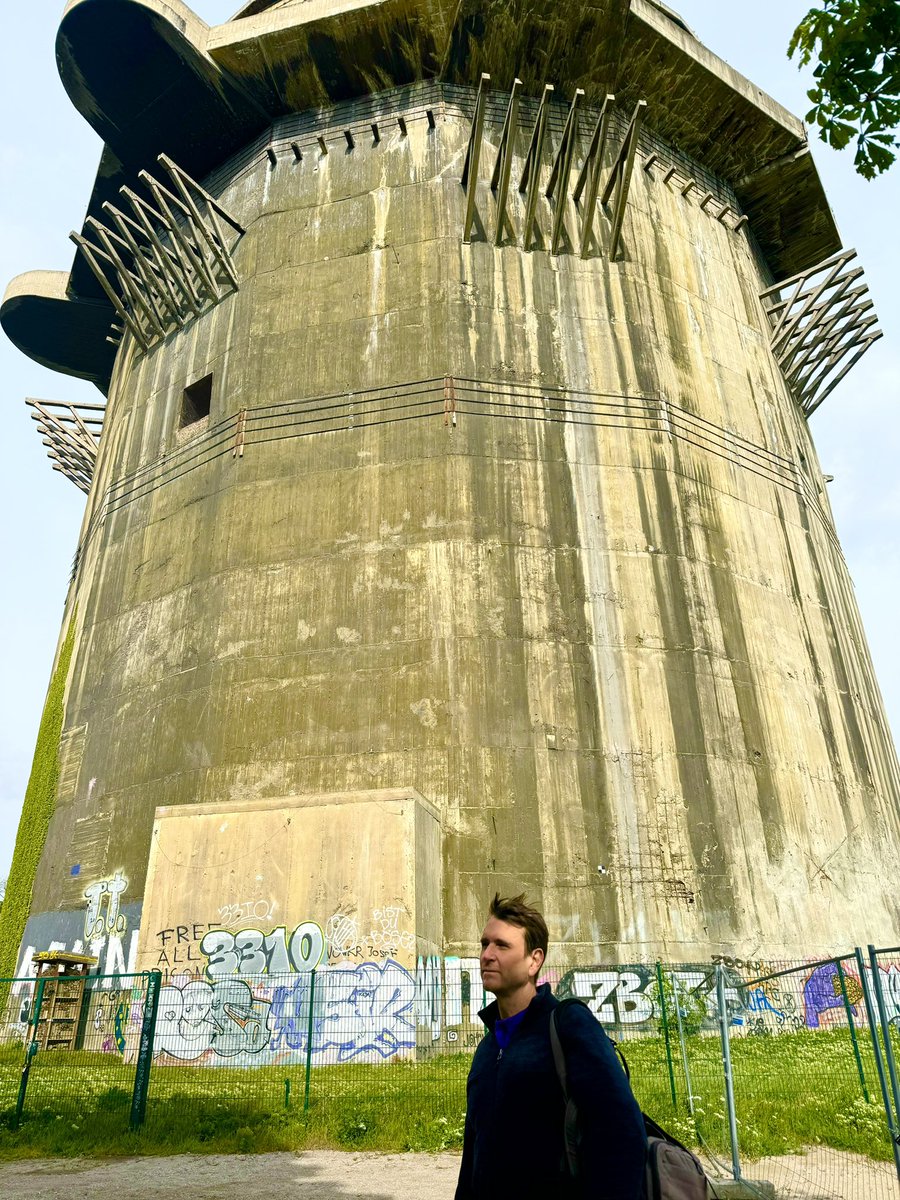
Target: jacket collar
column 542, row 1000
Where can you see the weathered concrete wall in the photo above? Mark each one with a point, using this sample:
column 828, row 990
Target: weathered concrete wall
column 230, row 886
column 600, row 621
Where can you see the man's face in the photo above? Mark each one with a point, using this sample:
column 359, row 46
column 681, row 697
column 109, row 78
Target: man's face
column 506, row 966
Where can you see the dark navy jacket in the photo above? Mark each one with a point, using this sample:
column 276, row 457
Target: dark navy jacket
column 513, row 1147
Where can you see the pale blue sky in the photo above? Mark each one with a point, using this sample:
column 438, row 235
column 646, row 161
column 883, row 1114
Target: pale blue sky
column 48, row 157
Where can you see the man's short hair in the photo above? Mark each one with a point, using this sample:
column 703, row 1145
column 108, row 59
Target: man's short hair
column 517, row 911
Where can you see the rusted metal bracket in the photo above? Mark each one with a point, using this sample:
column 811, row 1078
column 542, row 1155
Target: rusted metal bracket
column 449, row 402
column 240, row 427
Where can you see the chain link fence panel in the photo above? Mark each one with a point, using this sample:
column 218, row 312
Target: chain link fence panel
column 69, row 1048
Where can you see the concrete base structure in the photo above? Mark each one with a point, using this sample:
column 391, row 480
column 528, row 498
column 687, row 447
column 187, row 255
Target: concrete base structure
column 531, row 549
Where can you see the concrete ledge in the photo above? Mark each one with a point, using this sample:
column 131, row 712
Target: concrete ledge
column 734, row 1189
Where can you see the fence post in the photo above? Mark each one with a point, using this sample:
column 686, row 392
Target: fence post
column 665, row 1026
column 848, row 1009
column 726, row 1066
column 879, row 1065
column 145, row 1050
column 30, row 1052
column 886, row 1033
column 684, row 1055
column 309, row 1037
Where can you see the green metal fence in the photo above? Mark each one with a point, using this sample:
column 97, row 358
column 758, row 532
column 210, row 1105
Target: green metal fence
column 779, row 1073
column 76, row 1050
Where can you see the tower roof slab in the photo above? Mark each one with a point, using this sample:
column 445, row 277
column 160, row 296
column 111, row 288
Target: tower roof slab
column 151, row 77
column 135, row 68
column 61, row 332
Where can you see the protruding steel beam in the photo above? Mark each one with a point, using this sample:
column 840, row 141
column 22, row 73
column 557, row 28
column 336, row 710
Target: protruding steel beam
column 819, row 323
column 619, row 179
column 562, row 169
column 135, row 288
column 590, row 173
column 473, row 157
column 156, row 269
column 503, row 165
column 206, row 225
column 70, row 432
column 91, row 255
column 530, row 181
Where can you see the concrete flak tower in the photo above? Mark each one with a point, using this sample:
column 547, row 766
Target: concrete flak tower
column 453, row 521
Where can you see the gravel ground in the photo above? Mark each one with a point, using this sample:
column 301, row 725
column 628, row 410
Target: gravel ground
column 824, row 1174
column 323, row 1174
column 331, row 1175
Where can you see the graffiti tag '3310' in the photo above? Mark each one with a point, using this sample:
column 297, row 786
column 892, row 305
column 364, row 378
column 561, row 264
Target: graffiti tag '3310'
column 252, row 952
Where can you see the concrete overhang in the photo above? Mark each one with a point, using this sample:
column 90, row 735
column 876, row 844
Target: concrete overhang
column 58, row 331
column 715, row 115
column 151, row 77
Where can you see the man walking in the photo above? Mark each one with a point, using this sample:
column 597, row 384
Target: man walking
column 514, row 1145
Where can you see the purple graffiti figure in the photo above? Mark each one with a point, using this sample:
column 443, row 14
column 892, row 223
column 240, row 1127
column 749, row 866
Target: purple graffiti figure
column 823, row 991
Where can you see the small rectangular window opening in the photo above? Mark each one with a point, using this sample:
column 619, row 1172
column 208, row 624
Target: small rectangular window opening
column 196, row 402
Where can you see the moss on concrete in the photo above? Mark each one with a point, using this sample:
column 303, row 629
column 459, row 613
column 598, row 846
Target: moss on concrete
column 40, row 800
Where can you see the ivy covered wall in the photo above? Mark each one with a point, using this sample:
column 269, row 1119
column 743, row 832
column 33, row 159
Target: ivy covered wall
column 40, row 800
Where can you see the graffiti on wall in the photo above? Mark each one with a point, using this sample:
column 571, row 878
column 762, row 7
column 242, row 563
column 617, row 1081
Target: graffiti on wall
column 240, row 989
column 362, row 1011
column 110, row 1022
column 385, row 937
column 103, row 916
column 353, row 1012
column 823, row 993
column 245, row 911
column 252, row 952
column 105, row 928
column 195, row 1017
column 626, row 997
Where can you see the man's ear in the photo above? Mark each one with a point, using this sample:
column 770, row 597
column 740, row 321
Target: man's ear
column 537, row 961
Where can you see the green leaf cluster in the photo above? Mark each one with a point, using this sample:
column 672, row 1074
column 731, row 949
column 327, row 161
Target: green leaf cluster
column 856, row 47
column 40, row 801
column 692, row 1006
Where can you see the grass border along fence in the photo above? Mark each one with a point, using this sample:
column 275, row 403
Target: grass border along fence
column 707, row 1065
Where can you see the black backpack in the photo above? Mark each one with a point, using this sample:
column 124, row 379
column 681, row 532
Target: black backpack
column 673, row 1172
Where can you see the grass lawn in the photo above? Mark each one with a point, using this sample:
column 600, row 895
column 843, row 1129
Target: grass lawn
column 791, row 1090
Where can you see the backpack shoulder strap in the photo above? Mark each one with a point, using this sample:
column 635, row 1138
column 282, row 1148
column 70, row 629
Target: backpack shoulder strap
column 612, row 1041
column 559, row 1057
column 571, row 1133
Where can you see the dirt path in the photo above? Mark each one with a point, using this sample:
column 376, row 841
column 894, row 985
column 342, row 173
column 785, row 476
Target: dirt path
column 323, row 1174
column 331, row 1175
column 825, row 1174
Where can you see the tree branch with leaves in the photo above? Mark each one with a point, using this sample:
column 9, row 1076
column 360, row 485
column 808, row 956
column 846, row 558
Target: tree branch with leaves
column 856, row 47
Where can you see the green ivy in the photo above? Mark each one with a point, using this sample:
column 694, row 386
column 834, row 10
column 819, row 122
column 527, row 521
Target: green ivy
column 40, row 800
